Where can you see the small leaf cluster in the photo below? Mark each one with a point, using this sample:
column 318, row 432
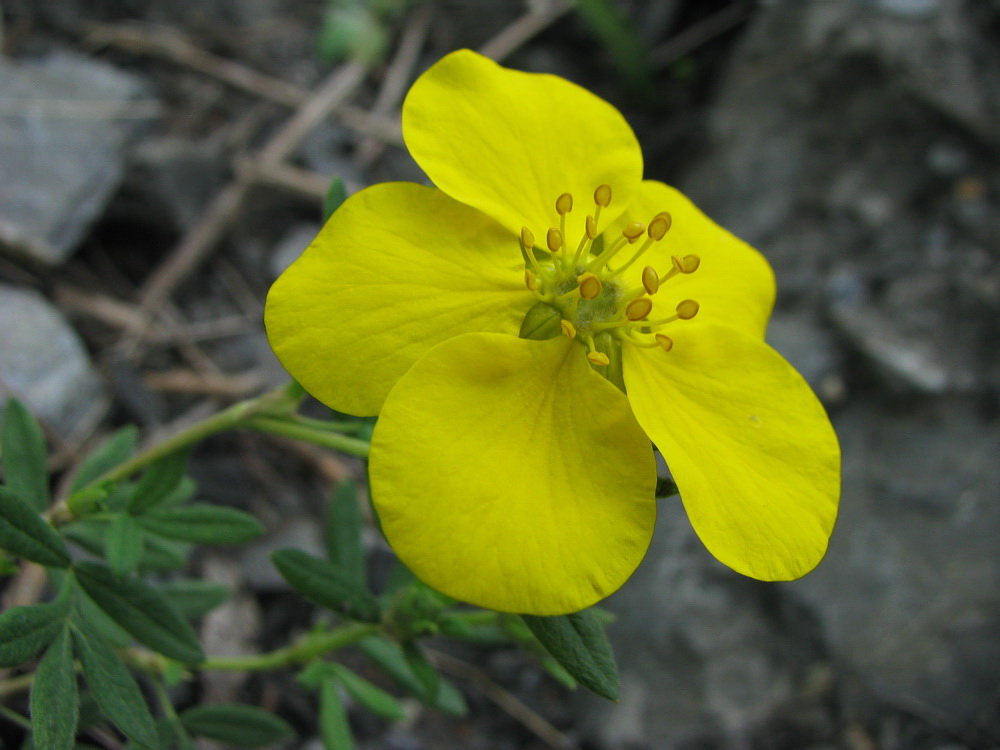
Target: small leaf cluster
column 118, row 624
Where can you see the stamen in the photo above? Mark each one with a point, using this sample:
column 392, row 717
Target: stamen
column 650, row 279
column 634, row 231
column 564, row 204
column 590, row 285
column 568, row 329
column 687, row 264
column 530, row 280
column 602, row 196
column 554, row 239
column 591, row 227
column 666, row 343
column 527, row 238
column 687, row 309
column 638, row 309
column 598, row 358
column 659, row 225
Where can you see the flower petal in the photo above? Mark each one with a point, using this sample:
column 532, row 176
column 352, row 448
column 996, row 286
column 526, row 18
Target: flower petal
column 510, row 143
column 748, row 443
column 506, row 473
column 397, row 269
column 734, row 283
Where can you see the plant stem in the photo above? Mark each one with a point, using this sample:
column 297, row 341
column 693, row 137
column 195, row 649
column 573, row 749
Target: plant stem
column 15, row 717
column 305, row 649
column 309, row 434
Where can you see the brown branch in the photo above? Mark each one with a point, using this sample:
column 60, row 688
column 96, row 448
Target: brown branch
column 523, row 29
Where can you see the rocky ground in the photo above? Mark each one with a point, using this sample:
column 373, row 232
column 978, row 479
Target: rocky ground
column 169, row 159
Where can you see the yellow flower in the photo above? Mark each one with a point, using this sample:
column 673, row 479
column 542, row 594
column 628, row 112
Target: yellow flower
column 519, row 381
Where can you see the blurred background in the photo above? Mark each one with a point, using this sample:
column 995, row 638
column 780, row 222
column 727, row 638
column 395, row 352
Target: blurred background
column 161, row 162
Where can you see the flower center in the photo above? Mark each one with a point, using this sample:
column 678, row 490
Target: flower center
column 581, row 292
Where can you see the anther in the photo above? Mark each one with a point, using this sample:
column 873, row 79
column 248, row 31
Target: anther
column 530, row 280
column 527, row 238
column 650, row 279
column 687, row 264
column 666, row 343
column 687, row 309
column 633, row 231
column 564, row 204
column 568, row 329
column 659, row 226
column 554, row 239
column 639, row 308
column 590, row 285
column 602, row 196
column 591, row 227
column 598, row 358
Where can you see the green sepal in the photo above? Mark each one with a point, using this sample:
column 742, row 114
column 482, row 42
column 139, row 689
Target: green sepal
column 25, row 460
column 326, row 584
column 157, row 482
column 203, row 523
column 145, row 613
column 114, row 688
column 26, row 534
column 55, row 696
column 541, row 322
column 236, row 724
column 577, row 641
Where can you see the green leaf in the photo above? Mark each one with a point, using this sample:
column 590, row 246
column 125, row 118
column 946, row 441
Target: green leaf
column 145, row 613
column 25, row 461
column 325, row 584
column 424, row 671
column 158, row 481
column 619, row 37
column 374, row 698
column 389, row 657
column 124, row 544
column 157, row 554
column 577, row 641
column 333, row 727
column 336, row 194
column 55, row 696
column 344, row 524
column 115, row 690
column 203, row 523
column 24, row 631
column 92, row 619
column 236, row 724
column 194, row 598
column 26, row 534
column 114, row 451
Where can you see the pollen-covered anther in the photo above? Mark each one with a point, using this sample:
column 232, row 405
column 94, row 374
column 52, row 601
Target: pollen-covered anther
column 666, row 343
column 598, row 358
column 527, row 238
column 568, row 329
column 687, row 309
column 632, row 232
column 650, row 279
column 590, row 285
column 564, row 204
column 591, row 227
column 602, row 196
column 530, row 280
column 639, row 308
column 554, row 239
column 687, row 264
column 659, row 226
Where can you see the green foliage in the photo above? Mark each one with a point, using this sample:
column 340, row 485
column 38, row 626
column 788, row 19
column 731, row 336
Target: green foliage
column 194, row 598
column 116, row 450
column 236, row 724
column 334, row 729
column 389, row 656
column 326, row 584
column 157, row 482
column 374, row 698
column 336, row 194
column 344, row 524
column 578, row 643
column 25, row 533
column 202, row 523
column 55, row 696
column 625, row 47
column 24, row 631
column 24, row 457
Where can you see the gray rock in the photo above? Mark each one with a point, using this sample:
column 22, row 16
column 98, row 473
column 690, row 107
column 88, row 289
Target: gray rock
column 43, row 362
column 65, row 119
column 699, row 652
column 907, row 593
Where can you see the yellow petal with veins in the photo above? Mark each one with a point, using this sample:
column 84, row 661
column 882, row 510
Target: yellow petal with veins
column 506, row 473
